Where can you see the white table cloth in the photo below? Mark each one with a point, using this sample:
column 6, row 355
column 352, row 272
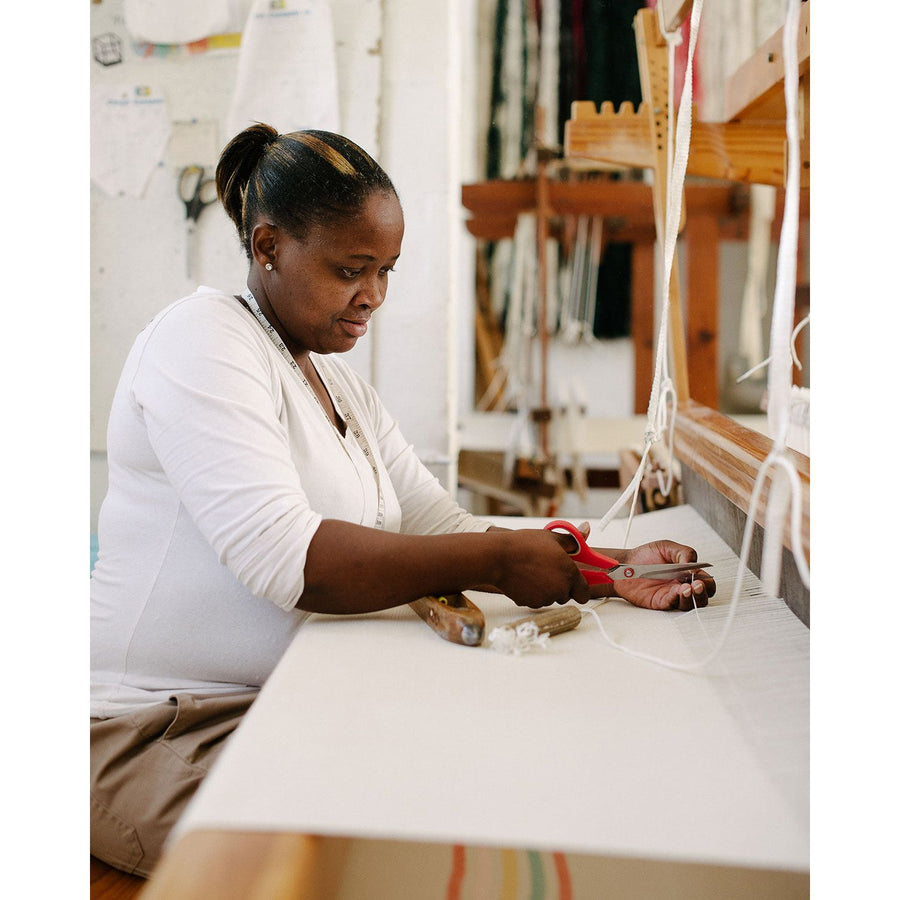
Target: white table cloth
column 374, row 727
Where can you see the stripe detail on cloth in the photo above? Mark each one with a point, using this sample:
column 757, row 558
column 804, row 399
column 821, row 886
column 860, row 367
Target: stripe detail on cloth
column 483, row 873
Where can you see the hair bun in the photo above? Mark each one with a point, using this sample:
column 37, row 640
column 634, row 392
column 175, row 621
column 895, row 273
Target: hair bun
column 313, row 177
column 236, row 165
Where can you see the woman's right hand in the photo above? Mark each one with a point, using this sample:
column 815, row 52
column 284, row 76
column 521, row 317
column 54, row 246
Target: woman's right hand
column 535, row 571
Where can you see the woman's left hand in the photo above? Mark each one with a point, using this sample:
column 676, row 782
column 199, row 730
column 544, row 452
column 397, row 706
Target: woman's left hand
column 651, row 593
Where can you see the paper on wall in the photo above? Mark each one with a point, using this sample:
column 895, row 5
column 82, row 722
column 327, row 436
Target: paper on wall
column 129, row 132
column 194, row 143
column 287, row 74
column 177, row 22
column 357, row 39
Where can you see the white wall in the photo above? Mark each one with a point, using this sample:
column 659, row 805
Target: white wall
column 138, row 260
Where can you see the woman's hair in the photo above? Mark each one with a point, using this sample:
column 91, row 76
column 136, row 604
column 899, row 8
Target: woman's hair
column 294, row 180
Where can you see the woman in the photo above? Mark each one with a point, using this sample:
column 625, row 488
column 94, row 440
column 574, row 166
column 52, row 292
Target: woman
column 254, row 479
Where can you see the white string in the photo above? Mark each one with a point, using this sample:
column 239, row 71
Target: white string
column 703, row 662
column 673, row 40
column 786, row 269
column 796, row 359
column 779, row 380
column 663, row 387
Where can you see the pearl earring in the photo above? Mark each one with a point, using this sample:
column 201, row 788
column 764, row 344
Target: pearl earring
column 268, row 267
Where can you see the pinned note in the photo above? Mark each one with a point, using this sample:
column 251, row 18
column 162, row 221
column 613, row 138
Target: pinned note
column 287, row 69
column 129, row 132
column 193, row 142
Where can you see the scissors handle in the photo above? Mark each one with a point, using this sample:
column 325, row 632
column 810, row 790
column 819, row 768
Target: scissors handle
column 196, row 191
column 585, row 554
column 612, row 569
column 189, row 182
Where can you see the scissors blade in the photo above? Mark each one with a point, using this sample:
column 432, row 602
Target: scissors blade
column 190, row 247
column 664, row 571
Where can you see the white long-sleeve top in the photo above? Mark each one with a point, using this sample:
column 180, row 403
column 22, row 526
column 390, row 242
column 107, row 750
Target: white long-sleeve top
column 222, row 464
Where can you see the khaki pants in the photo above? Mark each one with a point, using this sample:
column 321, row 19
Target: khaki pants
column 145, row 766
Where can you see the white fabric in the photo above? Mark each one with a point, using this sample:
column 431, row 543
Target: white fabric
column 177, row 22
column 575, row 748
column 221, row 467
column 287, row 68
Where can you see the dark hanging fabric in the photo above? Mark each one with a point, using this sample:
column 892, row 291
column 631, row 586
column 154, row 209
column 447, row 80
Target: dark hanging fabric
column 568, row 86
column 597, row 61
column 494, row 138
column 612, row 71
column 578, row 44
column 530, row 65
column 612, row 313
column 597, row 55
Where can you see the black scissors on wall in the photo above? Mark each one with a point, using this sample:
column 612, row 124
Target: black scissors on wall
column 196, row 193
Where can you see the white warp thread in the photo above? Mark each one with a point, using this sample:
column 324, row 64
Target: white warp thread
column 785, row 490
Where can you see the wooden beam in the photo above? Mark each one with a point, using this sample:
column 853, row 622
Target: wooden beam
column 496, row 201
column 622, row 138
column 643, row 264
column 653, row 65
column 702, row 306
column 756, row 90
column 729, row 456
column 594, row 197
column 750, row 151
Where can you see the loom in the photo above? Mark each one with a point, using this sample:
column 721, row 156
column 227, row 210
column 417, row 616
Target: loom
column 719, row 457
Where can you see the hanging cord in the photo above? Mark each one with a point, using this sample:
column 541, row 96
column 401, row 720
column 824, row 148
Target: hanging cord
column 785, row 491
column 663, row 396
column 796, row 359
column 673, row 40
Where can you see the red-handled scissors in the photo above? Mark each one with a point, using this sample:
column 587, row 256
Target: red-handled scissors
column 611, row 569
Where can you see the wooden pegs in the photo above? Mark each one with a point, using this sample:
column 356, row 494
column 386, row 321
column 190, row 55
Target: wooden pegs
column 619, row 138
column 453, row 616
column 583, row 109
column 552, row 621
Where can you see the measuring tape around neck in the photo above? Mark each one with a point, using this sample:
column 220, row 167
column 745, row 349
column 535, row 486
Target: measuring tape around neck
column 339, row 398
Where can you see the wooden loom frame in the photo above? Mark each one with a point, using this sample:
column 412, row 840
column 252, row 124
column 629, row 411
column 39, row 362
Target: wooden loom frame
column 750, row 146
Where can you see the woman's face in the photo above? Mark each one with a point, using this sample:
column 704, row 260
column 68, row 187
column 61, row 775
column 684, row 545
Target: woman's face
column 323, row 289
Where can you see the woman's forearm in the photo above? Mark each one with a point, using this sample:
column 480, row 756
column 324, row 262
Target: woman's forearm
column 354, row 569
